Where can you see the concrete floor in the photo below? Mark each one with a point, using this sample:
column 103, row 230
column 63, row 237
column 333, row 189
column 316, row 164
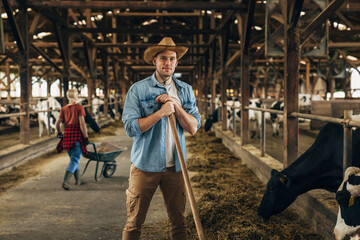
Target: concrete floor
column 40, row 209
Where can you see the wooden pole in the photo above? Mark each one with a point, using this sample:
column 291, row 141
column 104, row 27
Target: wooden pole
column 25, row 80
column 307, row 81
column 347, row 152
column 189, row 191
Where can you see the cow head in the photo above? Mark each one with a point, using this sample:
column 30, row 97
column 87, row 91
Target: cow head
column 277, row 196
column 213, row 118
column 208, row 123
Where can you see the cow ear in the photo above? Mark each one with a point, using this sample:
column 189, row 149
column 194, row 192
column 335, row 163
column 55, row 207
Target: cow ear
column 273, row 172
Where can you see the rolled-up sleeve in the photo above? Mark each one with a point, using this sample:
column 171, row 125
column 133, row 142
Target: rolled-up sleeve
column 131, row 114
column 191, row 107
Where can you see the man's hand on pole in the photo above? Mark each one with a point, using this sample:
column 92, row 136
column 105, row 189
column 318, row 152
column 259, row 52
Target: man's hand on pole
column 168, row 106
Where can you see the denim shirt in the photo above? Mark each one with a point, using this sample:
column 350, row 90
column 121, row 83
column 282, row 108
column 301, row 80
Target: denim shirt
column 148, row 150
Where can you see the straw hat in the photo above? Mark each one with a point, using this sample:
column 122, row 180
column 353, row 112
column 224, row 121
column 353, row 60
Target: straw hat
column 166, row 44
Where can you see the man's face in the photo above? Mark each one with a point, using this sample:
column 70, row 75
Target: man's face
column 165, row 63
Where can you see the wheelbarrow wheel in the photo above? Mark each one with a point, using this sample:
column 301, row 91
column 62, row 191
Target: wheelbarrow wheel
column 109, row 170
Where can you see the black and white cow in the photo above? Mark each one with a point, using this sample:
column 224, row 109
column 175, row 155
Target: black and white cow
column 57, row 103
column 8, row 109
column 348, row 197
column 304, row 106
column 275, row 118
column 43, row 117
column 213, row 118
column 254, row 116
column 3, row 110
column 320, row 167
column 98, row 107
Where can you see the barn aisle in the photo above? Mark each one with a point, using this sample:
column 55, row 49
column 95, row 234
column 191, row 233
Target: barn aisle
column 40, row 209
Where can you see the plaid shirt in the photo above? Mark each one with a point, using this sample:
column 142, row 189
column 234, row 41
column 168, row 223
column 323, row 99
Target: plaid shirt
column 72, row 134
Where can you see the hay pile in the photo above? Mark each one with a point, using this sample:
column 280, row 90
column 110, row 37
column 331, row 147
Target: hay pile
column 231, row 194
column 107, row 130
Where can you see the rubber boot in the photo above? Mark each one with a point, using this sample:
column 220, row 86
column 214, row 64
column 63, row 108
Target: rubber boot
column 66, row 182
column 77, row 177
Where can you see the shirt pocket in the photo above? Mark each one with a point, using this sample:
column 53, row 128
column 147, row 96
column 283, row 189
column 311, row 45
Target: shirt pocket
column 149, row 107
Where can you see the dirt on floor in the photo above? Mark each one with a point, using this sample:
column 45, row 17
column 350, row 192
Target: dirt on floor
column 33, row 167
column 231, row 194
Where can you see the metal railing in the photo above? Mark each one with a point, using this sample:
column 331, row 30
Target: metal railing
column 347, row 123
column 8, row 115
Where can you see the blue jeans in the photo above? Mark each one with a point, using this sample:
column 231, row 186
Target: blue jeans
column 75, row 155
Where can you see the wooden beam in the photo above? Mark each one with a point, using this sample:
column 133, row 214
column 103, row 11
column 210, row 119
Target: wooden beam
column 319, row 20
column 235, row 56
column 3, row 60
column 60, row 42
column 141, row 30
column 295, row 9
column 15, row 56
column 261, row 48
column 78, row 69
column 143, row 45
column 47, row 58
column 344, row 44
column 348, row 60
column 46, row 44
column 14, row 26
column 353, row 6
column 248, row 25
column 34, row 24
column 139, row 5
column 223, row 23
column 157, row 14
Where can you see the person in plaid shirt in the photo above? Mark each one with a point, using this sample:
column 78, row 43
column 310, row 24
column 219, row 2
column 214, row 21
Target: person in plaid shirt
column 75, row 136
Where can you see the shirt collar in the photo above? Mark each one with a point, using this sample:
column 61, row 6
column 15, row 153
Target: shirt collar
column 155, row 82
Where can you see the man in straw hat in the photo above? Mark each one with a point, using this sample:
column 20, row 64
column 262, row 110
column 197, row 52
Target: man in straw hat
column 154, row 158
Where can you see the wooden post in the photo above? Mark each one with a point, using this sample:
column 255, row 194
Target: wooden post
column 291, row 74
column 105, row 60
column 24, row 79
column 245, row 78
column 224, row 80
column 347, row 152
column 245, row 98
column 263, row 132
column 307, row 79
column 48, row 84
column 332, row 89
column 212, row 78
column 7, row 74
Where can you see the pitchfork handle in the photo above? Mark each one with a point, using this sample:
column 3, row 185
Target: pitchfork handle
column 185, row 174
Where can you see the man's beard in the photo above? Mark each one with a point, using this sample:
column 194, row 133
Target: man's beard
column 164, row 75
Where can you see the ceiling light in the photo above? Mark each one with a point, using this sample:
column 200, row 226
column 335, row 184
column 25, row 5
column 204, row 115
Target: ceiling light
column 258, row 28
column 352, row 58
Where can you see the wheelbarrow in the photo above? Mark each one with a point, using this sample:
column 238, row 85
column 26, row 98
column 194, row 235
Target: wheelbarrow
column 106, row 153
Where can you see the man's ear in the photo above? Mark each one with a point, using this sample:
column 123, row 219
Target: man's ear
column 154, row 61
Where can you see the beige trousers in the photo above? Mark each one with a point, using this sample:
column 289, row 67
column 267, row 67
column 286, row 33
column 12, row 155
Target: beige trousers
column 142, row 186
